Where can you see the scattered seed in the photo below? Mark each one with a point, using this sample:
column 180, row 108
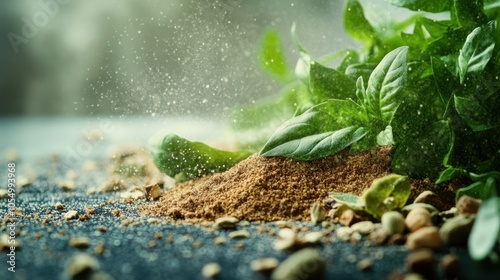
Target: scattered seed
column 317, row 213
column 70, row 215
column 239, row 234
column 154, row 191
column 393, row 222
column 79, row 242
column 154, row 221
column 365, row 264
column 226, row 222
column 59, row 206
column 99, row 249
column 343, row 233
column 80, row 264
column 264, row 265
column 219, row 240
column 101, row 228
column 364, row 227
column 210, row 270
column 239, row 245
column 313, row 237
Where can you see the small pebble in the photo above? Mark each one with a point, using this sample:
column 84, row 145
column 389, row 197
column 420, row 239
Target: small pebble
column 421, row 262
column 393, row 222
column 450, row 266
column 305, row 264
column 418, row 218
column 455, row 231
column 468, row 205
column 343, row 233
column 312, row 237
column 364, row 227
column 427, row 237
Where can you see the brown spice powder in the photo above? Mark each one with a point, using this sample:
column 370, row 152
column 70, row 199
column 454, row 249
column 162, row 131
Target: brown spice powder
column 275, row 188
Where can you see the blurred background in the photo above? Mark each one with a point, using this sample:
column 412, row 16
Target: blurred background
column 127, row 57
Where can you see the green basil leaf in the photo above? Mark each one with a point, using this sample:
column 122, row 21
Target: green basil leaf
column 324, row 129
column 435, row 28
column 272, row 58
column 449, row 43
column 356, row 25
column 474, row 114
column 444, row 80
column 360, row 70
column 486, row 230
column 350, row 58
column 386, row 84
column 422, row 156
column 477, row 50
column 327, row 83
column 387, row 193
column 469, row 13
column 480, row 190
column 184, row 160
column 449, row 173
column 423, row 5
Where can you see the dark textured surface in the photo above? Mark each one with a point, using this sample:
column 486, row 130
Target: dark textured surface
column 128, row 254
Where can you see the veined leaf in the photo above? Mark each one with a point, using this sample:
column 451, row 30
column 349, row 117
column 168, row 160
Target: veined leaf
column 183, row 160
column 357, row 70
column 423, row 5
column 356, row 24
column 445, row 82
column 435, row 28
column 469, row 13
column 320, row 131
column 272, row 57
column 474, row 114
column 477, row 50
column 327, row 83
column 386, row 85
column 385, row 137
column 423, row 156
column 449, row 173
column 448, row 43
column 351, row 200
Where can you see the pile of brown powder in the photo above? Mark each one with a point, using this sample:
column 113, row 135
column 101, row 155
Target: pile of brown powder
column 275, row 188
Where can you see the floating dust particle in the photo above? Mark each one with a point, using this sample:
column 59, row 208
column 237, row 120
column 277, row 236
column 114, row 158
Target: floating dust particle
column 274, row 188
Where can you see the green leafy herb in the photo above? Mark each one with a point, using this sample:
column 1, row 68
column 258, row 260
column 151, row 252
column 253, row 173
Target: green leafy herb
column 184, row 160
column 336, row 124
column 477, row 50
column 272, row 58
column 485, row 232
